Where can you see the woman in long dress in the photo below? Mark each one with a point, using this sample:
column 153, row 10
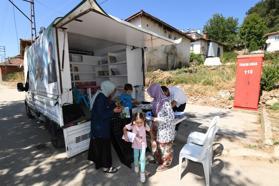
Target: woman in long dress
column 163, row 131
column 101, row 114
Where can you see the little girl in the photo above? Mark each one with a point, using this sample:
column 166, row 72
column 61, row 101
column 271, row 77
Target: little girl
column 138, row 127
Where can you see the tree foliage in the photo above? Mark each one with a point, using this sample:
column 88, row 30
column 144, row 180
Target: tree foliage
column 269, row 11
column 222, row 29
column 252, row 32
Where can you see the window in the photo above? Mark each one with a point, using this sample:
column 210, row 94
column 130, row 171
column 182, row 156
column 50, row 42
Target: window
column 192, row 47
column 169, row 36
column 276, row 37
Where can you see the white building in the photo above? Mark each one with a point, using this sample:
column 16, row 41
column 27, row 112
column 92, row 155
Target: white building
column 203, row 45
column 272, row 41
column 165, row 57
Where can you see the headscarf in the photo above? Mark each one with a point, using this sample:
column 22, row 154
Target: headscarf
column 160, row 98
column 107, row 88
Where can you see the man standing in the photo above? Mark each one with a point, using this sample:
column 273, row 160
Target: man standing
column 177, row 97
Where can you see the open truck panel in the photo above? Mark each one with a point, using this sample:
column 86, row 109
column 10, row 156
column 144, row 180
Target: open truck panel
column 69, row 60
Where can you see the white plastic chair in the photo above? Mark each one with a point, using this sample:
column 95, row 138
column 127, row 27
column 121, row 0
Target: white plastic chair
column 201, row 154
column 199, row 137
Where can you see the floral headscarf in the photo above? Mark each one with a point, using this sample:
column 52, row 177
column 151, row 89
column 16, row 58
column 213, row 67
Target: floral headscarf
column 160, row 98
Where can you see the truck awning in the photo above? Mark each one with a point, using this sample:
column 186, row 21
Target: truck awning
column 89, row 19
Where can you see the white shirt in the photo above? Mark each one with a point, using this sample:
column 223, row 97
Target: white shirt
column 177, row 95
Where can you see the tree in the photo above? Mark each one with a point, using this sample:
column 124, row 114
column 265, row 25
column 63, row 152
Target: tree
column 269, row 11
column 223, row 30
column 252, row 31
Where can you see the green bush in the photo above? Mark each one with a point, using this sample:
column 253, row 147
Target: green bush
column 197, row 58
column 229, row 57
column 275, row 106
column 273, row 58
column 270, row 77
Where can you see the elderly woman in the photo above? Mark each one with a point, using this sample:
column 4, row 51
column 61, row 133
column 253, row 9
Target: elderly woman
column 163, row 131
column 101, row 114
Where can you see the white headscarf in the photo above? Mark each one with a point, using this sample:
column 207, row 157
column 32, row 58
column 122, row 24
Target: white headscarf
column 107, row 87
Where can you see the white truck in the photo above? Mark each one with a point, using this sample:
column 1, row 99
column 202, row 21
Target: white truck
column 69, row 60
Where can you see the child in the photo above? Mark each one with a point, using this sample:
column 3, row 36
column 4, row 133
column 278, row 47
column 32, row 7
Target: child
column 138, row 127
column 126, row 97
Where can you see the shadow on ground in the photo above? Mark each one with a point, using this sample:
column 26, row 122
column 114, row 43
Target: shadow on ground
column 27, row 158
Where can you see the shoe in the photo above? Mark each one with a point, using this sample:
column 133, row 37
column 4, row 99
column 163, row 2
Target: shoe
column 136, row 169
column 110, row 170
column 142, row 177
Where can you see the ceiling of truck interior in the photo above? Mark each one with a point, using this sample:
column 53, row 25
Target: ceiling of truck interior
column 99, row 26
column 85, row 43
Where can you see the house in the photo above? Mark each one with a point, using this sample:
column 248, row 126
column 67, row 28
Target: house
column 14, row 64
column 272, row 41
column 203, row 45
column 164, row 57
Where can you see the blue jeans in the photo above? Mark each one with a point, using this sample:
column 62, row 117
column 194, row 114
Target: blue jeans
column 139, row 154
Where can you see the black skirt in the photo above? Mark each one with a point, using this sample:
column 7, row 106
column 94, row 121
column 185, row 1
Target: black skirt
column 123, row 149
column 100, row 152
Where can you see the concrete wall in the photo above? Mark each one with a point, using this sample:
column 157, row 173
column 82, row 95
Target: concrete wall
column 136, row 22
column 201, row 47
column 272, row 43
column 164, row 57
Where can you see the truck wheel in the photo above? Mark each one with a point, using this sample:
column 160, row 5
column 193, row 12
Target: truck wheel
column 28, row 112
column 57, row 137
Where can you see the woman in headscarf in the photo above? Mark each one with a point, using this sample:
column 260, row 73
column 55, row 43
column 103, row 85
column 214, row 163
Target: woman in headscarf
column 163, row 131
column 101, row 114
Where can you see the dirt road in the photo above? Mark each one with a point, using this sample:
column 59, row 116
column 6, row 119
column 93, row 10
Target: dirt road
column 27, row 157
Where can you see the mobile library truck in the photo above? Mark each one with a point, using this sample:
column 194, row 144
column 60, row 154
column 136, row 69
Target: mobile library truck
column 68, row 61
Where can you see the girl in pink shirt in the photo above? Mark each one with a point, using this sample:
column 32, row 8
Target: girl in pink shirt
column 139, row 128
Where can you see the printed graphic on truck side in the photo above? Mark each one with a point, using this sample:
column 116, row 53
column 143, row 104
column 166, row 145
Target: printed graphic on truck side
column 42, row 67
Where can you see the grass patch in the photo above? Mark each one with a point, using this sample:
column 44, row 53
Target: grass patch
column 197, row 59
column 275, row 106
column 217, row 76
column 229, row 57
column 14, row 77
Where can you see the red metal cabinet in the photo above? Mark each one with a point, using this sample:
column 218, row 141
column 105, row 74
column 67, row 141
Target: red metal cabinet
column 248, row 77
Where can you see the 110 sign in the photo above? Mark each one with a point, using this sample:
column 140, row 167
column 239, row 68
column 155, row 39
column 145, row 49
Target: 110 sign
column 248, row 72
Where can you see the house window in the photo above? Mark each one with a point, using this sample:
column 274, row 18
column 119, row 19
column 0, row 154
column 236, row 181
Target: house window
column 174, row 38
column 192, row 47
column 147, row 25
column 276, row 37
column 170, row 36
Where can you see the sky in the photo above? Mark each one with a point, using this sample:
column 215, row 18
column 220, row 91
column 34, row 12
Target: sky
column 182, row 14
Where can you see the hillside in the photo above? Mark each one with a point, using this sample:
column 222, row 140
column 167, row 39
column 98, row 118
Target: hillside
column 269, row 11
column 203, row 85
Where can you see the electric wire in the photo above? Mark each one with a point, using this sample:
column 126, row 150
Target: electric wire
column 16, row 32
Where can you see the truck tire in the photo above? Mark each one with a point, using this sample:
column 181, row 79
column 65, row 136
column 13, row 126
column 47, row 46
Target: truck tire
column 28, row 112
column 57, row 137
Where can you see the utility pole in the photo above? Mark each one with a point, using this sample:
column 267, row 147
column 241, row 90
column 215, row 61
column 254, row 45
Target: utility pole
column 2, row 53
column 31, row 19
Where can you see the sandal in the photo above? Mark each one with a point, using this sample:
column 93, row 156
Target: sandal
column 162, row 168
column 110, row 170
